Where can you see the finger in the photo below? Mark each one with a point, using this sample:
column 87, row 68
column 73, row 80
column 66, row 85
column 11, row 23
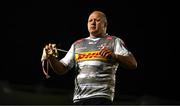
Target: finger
column 103, row 47
column 106, row 52
column 44, row 55
column 53, row 45
column 46, row 47
column 103, row 52
column 50, row 45
column 100, row 52
column 107, row 55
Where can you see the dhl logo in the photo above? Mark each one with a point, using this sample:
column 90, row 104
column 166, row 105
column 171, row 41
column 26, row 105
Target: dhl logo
column 94, row 55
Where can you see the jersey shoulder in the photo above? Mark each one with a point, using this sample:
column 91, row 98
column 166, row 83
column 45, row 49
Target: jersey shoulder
column 111, row 37
column 79, row 41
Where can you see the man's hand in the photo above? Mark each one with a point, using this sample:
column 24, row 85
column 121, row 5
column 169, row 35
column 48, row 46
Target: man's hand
column 49, row 50
column 105, row 52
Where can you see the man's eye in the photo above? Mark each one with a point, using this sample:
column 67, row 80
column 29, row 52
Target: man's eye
column 90, row 20
column 98, row 20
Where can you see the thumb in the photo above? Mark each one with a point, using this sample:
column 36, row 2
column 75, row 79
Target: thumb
column 44, row 55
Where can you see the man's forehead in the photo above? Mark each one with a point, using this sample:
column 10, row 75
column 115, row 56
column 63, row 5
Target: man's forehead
column 96, row 14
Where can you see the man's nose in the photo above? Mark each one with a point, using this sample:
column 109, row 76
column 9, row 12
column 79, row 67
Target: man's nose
column 93, row 22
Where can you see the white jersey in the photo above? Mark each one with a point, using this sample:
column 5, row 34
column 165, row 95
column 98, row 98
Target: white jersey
column 96, row 74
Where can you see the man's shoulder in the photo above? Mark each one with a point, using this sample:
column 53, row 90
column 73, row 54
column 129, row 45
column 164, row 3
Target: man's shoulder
column 115, row 38
column 79, row 40
column 111, row 37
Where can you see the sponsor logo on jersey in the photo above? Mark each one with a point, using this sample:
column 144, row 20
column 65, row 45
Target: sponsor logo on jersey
column 93, row 55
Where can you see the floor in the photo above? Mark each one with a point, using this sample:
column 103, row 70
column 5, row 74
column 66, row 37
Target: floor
column 40, row 95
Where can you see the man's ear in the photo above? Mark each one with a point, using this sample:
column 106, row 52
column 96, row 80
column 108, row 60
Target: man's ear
column 105, row 25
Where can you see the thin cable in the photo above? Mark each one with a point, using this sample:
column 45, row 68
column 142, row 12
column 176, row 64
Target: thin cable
column 62, row 50
column 45, row 71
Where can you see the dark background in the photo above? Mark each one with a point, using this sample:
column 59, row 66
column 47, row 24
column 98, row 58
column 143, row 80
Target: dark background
column 142, row 25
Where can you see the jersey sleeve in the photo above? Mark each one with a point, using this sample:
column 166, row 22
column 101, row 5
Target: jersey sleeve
column 68, row 60
column 120, row 48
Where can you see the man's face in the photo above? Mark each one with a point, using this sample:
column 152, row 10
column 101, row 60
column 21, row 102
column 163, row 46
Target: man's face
column 96, row 24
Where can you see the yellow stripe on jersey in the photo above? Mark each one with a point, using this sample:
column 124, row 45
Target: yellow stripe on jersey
column 93, row 55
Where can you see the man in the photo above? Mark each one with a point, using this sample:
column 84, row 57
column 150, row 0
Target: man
column 96, row 59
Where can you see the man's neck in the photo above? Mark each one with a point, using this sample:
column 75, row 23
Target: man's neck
column 98, row 35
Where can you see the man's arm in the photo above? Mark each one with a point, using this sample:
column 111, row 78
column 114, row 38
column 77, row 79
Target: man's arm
column 123, row 56
column 58, row 67
column 127, row 62
column 50, row 54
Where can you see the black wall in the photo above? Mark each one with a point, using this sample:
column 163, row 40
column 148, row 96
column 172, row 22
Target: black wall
column 142, row 25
